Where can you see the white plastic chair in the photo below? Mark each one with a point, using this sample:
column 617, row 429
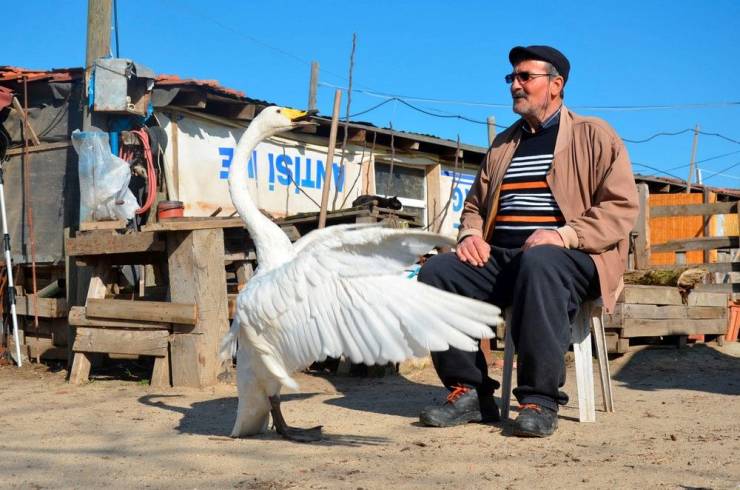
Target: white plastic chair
column 589, row 318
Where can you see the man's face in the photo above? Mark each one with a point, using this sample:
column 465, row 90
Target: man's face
column 530, row 98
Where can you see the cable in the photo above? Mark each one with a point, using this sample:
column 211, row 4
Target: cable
column 701, row 105
column 652, row 137
column 704, row 160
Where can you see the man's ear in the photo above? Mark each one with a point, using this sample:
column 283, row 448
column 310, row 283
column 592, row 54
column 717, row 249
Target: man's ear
column 556, row 85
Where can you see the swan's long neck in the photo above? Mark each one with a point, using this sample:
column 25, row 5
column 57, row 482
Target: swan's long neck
column 273, row 246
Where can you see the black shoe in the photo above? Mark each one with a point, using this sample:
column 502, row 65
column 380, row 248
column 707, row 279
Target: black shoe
column 535, row 421
column 463, row 405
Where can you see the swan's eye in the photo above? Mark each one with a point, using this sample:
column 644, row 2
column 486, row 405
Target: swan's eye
column 278, row 111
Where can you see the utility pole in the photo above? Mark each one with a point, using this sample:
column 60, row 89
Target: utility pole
column 99, row 14
column 491, row 129
column 312, row 85
column 693, row 156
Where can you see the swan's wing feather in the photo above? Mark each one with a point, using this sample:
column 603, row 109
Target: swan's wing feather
column 352, row 300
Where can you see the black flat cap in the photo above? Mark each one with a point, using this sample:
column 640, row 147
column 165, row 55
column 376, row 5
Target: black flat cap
column 542, row 53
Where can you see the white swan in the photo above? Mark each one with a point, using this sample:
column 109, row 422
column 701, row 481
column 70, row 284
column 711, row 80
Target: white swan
column 336, row 291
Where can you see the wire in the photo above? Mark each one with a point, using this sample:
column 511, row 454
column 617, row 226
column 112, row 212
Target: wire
column 652, row 137
column 721, row 171
column 115, row 24
column 701, row 105
column 704, row 160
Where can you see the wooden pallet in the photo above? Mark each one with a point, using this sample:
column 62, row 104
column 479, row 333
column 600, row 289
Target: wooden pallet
column 659, row 311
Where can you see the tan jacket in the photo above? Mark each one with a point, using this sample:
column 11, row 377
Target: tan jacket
column 592, row 182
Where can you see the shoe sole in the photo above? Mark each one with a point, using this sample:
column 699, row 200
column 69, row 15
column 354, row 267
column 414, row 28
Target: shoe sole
column 523, row 433
column 432, row 422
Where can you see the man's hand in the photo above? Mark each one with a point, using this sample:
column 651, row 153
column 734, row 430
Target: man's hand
column 474, row 250
column 543, row 237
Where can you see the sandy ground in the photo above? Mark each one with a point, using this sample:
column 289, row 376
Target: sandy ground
column 677, row 426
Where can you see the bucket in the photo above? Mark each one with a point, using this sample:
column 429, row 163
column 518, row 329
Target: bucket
column 170, row 209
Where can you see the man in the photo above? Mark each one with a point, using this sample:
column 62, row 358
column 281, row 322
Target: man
column 544, row 228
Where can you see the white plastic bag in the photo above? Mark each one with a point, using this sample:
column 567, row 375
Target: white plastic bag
column 104, row 178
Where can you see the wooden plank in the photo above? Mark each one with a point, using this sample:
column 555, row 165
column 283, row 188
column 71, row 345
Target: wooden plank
column 149, row 311
column 711, row 267
column 161, row 372
column 727, row 288
column 105, row 243
column 701, row 298
column 657, row 328
column 44, row 307
column 434, row 199
column 140, row 342
column 77, row 317
column 80, row 370
column 651, row 295
column 41, row 147
column 197, row 275
column 102, row 225
column 641, row 232
column 694, row 209
column 700, row 243
column 24, row 117
column 623, row 311
column 196, row 223
column 666, row 295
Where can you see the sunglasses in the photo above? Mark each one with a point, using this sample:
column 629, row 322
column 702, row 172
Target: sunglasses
column 523, row 76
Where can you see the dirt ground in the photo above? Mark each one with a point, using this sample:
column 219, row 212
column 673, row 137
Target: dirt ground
column 677, row 425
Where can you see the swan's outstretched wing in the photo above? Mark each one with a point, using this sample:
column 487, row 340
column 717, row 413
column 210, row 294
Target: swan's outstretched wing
column 345, row 294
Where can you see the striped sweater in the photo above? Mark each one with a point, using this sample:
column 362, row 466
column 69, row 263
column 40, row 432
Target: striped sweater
column 525, row 201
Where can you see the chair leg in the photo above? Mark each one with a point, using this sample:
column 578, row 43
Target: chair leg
column 581, row 339
column 508, row 368
column 597, row 325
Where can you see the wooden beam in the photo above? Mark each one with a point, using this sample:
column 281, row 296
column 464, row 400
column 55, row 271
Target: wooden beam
column 666, row 295
column 657, row 328
column 44, row 307
column 407, row 144
column 434, row 199
column 140, row 342
column 192, row 99
column 641, row 231
column 78, row 317
column 712, row 267
column 149, row 311
column 22, row 114
column 357, row 135
column 105, row 243
column 197, row 275
column 235, row 110
column 40, row 147
column 102, row 225
column 694, row 209
column 700, row 243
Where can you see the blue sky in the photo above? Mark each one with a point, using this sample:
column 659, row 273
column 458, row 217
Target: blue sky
column 623, row 54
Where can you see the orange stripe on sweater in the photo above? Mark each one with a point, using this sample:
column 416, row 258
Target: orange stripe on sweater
column 524, row 185
column 528, row 219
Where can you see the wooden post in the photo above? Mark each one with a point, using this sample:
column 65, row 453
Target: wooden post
column 707, row 198
column 99, row 14
column 693, row 156
column 330, row 158
column 642, row 229
column 197, row 276
column 312, row 85
column 491, row 129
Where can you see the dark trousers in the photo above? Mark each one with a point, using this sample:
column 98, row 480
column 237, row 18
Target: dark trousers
column 545, row 286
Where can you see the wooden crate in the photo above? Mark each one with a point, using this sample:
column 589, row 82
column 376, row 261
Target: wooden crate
column 658, row 311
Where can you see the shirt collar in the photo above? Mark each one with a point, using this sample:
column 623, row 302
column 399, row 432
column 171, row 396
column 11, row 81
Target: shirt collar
column 550, row 121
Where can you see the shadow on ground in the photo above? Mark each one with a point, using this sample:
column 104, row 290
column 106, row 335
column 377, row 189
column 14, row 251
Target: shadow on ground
column 697, row 367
